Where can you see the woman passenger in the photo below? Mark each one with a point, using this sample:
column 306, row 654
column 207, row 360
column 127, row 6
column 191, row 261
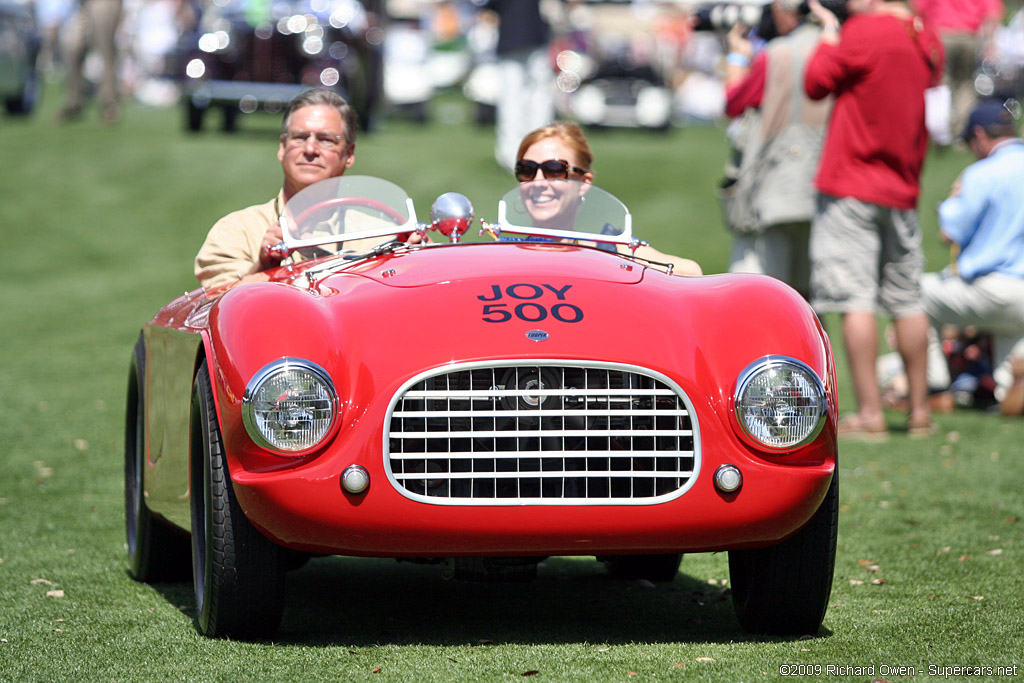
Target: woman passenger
column 560, row 151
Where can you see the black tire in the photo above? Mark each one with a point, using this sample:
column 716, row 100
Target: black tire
column 484, row 114
column 420, row 114
column 649, row 567
column 25, row 101
column 194, row 116
column 296, row 559
column 155, row 551
column 238, row 574
column 784, row 589
column 229, row 123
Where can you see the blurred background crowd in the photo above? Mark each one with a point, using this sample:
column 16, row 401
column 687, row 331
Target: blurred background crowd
column 648, row 64
column 643, row 64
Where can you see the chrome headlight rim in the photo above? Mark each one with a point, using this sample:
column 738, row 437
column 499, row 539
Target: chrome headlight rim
column 766, row 364
column 269, row 371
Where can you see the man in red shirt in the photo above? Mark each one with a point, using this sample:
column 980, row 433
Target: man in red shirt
column 865, row 239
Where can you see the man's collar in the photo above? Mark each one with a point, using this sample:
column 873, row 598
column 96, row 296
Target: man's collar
column 279, row 202
column 1002, row 144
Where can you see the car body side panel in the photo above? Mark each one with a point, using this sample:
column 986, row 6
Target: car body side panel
column 173, row 346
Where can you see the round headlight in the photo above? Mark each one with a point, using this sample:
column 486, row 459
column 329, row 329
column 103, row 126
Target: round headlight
column 289, row 406
column 780, row 403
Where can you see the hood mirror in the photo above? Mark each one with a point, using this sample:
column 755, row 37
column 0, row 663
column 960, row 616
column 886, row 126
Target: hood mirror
column 451, row 215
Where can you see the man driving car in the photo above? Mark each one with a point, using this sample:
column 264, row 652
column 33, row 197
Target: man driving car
column 318, row 141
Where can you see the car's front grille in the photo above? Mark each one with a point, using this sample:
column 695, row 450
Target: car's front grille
column 541, row 433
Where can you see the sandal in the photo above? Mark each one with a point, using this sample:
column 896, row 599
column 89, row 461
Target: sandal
column 920, row 428
column 851, row 427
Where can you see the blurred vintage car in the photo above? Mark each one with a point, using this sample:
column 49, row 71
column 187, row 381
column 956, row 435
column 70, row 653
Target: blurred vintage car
column 481, row 405
column 246, row 56
column 607, row 71
column 616, row 95
column 19, row 48
column 425, row 52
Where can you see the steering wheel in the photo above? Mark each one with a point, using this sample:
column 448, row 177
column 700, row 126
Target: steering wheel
column 365, row 202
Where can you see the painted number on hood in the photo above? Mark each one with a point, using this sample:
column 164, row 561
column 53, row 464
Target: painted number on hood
column 529, row 302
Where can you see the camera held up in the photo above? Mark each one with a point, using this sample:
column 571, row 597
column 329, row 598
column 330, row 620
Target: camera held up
column 757, row 15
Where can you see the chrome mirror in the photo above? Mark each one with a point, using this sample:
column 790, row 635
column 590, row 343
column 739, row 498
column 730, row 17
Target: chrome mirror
column 451, row 215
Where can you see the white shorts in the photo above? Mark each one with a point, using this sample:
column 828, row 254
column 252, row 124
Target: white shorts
column 993, row 303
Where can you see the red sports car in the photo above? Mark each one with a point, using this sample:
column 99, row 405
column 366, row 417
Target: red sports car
column 481, row 405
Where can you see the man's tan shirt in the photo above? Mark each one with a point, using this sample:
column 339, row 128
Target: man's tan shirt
column 232, row 248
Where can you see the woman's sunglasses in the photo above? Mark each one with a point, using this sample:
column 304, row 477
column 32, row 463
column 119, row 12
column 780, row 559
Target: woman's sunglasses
column 553, row 169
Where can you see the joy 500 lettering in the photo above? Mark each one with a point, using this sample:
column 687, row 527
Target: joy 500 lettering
column 529, row 302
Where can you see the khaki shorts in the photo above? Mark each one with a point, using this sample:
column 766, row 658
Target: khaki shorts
column 865, row 257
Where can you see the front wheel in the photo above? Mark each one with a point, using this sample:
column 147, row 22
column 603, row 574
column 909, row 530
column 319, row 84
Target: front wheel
column 238, row 574
column 784, row 589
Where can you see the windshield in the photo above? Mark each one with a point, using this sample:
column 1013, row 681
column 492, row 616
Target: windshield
column 567, row 209
column 344, row 209
column 348, row 208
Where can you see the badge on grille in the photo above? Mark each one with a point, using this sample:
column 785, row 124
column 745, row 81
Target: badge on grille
column 537, row 335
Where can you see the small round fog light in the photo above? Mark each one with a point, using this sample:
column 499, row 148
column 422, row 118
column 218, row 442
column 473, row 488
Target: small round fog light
column 728, row 479
column 355, row 479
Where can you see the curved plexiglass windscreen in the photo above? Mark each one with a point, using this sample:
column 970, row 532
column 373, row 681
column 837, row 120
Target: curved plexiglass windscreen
column 344, row 209
column 567, row 209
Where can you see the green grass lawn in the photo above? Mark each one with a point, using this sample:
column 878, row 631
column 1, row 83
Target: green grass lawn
column 100, row 226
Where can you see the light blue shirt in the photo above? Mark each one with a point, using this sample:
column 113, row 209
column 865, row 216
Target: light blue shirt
column 987, row 217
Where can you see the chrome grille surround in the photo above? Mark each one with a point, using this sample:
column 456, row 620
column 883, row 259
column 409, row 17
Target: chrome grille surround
column 547, row 432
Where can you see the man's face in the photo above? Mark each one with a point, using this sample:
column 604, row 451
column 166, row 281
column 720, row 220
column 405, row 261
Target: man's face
column 307, row 162
column 785, row 20
column 979, row 143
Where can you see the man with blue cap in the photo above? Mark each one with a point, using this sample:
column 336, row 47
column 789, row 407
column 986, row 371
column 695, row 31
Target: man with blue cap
column 983, row 220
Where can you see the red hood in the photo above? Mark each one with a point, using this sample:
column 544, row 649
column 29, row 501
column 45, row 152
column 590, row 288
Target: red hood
column 499, row 260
